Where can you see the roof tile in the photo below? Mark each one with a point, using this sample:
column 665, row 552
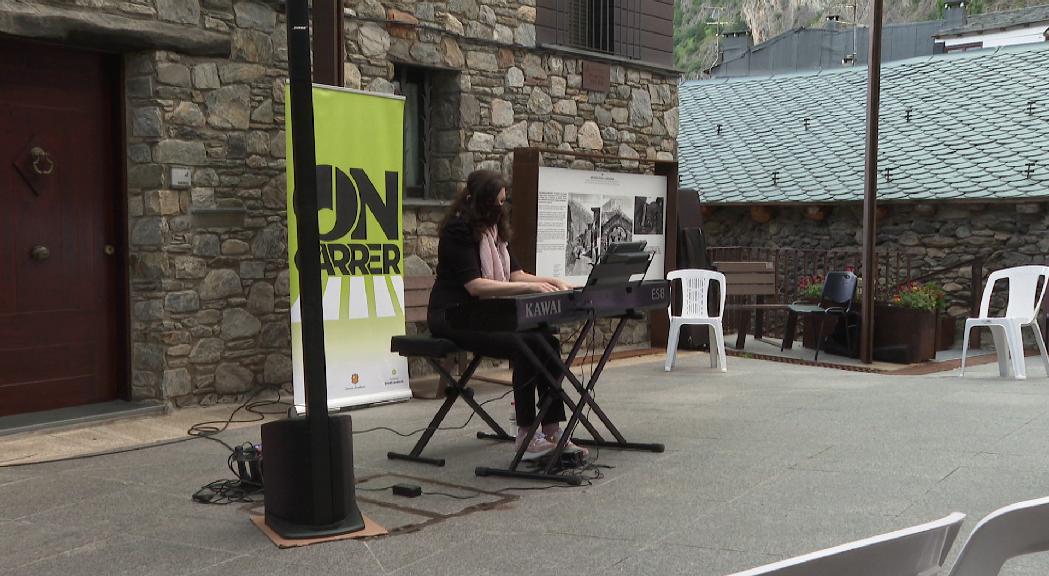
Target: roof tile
column 969, row 135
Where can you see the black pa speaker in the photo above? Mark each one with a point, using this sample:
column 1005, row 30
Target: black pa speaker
column 290, row 507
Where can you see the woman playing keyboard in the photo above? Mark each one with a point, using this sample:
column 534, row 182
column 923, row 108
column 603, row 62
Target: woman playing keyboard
column 474, row 261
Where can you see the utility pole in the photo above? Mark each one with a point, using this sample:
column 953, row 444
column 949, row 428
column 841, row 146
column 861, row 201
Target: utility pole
column 715, row 20
column 851, row 58
column 855, row 31
column 870, row 179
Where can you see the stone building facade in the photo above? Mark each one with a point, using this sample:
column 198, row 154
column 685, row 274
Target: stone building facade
column 204, row 151
column 780, row 162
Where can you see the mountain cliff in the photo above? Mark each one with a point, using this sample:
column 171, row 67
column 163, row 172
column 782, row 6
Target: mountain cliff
column 697, row 22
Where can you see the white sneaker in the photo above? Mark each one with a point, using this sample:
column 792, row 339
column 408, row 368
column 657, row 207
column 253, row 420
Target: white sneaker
column 570, row 447
column 537, row 448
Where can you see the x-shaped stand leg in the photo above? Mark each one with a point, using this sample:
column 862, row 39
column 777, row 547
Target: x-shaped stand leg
column 586, row 399
column 532, row 359
column 456, row 389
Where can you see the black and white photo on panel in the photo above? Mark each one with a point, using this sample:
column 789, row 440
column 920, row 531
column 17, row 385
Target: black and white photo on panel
column 617, row 223
column 584, row 236
column 648, row 215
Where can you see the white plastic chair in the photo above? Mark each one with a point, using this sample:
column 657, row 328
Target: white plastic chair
column 695, row 287
column 916, row 551
column 1018, row 529
column 1021, row 311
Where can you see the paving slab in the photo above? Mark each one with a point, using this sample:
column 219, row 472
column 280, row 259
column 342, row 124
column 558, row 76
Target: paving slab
column 36, row 496
column 23, row 542
column 251, row 565
column 762, row 462
column 672, row 560
column 349, row 557
column 781, row 531
column 125, row 555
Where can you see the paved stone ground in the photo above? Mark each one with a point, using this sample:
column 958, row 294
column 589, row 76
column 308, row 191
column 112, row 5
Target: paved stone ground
column 763, row 462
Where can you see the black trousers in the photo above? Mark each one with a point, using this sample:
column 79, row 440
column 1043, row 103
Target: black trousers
column 503, row 345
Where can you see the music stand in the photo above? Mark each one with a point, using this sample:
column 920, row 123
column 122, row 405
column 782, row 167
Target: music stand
column 620, row 262
column 621, row 247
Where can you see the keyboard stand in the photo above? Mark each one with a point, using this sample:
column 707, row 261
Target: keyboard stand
column 586, row 399
column 531, row 358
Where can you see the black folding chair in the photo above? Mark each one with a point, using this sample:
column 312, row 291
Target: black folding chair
column 839, row 291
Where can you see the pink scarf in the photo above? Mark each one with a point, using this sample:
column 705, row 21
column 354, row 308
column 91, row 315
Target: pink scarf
column 495, row 257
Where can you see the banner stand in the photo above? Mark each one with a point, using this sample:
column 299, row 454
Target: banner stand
column 359, row 167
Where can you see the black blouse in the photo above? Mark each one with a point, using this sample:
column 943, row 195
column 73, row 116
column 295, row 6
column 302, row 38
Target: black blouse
column 458, row 262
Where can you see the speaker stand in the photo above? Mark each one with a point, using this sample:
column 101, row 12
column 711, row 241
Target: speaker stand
column 292, row 531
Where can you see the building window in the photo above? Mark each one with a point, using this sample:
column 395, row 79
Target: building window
column 413, row 84
column 965, row 47
column 608, row 26
column 591, row 25
column 431, row 128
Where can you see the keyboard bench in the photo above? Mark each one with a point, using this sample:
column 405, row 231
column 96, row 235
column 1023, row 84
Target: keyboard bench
column 434, row 351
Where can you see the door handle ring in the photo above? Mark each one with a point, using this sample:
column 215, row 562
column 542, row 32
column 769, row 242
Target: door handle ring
column 40, row 156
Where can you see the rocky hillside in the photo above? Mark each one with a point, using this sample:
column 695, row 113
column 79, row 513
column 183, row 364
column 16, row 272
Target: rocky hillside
column 697, row 21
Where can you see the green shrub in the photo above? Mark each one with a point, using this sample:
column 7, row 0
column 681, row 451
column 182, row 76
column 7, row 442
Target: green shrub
column 928, row 297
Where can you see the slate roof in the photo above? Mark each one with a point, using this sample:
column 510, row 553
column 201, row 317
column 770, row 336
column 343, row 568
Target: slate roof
column 976, row 121
column 1020, row 17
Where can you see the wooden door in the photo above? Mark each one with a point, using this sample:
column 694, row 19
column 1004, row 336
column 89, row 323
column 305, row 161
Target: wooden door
column 61, row 304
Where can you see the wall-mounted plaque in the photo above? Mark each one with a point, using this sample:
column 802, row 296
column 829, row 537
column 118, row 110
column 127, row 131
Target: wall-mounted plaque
column 596, row 76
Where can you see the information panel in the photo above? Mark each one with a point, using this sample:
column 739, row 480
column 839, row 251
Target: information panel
column 581, row 211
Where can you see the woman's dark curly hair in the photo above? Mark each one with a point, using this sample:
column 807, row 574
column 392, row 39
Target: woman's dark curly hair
column 478, row 204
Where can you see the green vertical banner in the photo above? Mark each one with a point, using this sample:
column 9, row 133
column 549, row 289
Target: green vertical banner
column 360, row 169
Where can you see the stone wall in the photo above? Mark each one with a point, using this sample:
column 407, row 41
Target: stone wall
column 501, row 92
column 932, row 235
column 508, row 94
column 209, row 289
column 204, row 92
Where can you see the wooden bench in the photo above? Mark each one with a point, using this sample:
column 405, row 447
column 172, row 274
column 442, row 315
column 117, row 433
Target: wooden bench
column 750, row 279
column 416, row 300
column 417, row 297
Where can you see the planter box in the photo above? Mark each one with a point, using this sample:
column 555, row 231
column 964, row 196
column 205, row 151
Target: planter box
column 904, row 335
column 946, row 335
column 901, row 335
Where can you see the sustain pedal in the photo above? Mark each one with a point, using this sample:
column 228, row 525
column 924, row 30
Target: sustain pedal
column 572, row 460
